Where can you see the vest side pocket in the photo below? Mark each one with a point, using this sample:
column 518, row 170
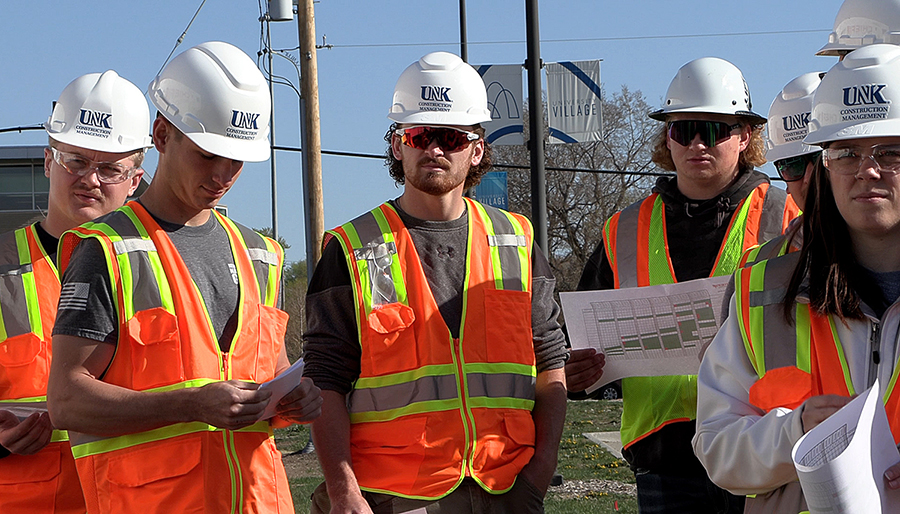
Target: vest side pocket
column 16, row 353
column 166, row 475
column 28, row 483
column 507, row 327
column 154, row 341
column 39, row 467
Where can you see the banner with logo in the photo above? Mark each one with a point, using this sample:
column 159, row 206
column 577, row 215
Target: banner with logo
column 573, row 101
column 492, row 190
column 505, row 93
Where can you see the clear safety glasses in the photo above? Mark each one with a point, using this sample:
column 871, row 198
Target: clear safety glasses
column 711, row 132
column 448, row 138
column 107, row 172
column 847, row 160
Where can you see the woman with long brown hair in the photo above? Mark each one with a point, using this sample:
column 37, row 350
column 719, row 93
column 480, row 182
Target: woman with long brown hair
column 809, row 330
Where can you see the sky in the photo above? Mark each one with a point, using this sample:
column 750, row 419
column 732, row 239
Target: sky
column 46, row 44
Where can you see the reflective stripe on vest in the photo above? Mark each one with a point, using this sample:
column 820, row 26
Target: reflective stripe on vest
column 26, row 273
column 769, row 250
column 807, row 358
column 167, row 342
column 637, row 250
column 46, row 481
column 29, row 292
column 454, row 391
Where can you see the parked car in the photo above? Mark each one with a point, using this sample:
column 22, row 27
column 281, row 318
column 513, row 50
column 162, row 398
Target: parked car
column 611, row 391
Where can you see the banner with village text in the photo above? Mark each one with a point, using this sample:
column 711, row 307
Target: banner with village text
column 573, row 101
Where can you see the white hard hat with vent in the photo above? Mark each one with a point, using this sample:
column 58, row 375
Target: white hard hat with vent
column 215, row 94
column 101, row 112
column 789, row 118
column 859, row 97
column 863, row 22
column 440, row 89
column 708, row 85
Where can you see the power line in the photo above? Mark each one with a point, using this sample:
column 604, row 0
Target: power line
column 593, row 39
column 495, row 165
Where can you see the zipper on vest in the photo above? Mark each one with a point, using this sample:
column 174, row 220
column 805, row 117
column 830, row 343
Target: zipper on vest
column 470, row 444
column 231, row 457
column 874, row 345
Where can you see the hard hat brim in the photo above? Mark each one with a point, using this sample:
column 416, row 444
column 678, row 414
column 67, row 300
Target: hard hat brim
column 231, row 148
column 788, row 150
column 853, row 130
column 112, row 145
column 440, row 118
column 835, row 50
column 662, row 114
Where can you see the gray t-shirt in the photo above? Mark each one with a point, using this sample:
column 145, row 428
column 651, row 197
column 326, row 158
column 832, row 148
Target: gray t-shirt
column 86, row 308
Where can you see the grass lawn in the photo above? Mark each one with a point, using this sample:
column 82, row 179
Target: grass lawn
column 579, row 460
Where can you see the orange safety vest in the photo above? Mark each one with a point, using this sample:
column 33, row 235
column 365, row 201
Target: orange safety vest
column 638, row 253
column 166, row 342
column 427, row 409
column 45, row 482
column 804, row 359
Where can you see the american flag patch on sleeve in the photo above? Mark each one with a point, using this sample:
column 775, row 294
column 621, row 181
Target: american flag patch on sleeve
column 74, row 296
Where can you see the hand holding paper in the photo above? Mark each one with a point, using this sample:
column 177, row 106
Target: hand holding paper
column 841, row 461
column 294, row 397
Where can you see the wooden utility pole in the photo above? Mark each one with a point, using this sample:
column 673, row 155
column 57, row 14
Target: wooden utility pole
column 312, row 141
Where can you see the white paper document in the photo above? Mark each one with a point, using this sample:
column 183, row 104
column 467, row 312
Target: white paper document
column 647, row 331
column 282, row 385
column 22, row 412
column 841, row 462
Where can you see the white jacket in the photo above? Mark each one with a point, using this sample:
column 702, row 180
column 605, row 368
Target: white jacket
column 747, row 451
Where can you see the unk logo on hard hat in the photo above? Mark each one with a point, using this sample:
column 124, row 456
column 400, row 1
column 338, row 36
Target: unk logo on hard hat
column 868, row 94
column 244, row 120
column 435, row 94
column 795, row 121
column 95, row 119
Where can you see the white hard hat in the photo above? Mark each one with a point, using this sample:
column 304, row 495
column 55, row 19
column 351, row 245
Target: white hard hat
column 101, row 112
column 789, row 117
column 708, row 85
column 217, row 97
column 863, row 22
column 440, row 89
column 859, row 97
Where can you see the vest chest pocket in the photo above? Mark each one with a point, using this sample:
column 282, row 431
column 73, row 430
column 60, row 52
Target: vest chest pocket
column 507, row 326
column 390, row 342
column 786, row 387
column 18, row 356
column 154, row 342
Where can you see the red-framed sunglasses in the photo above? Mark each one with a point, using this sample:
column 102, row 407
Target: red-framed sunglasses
column 448, row 138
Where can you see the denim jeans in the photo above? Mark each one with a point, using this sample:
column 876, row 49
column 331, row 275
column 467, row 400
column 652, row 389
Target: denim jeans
column 689, row 494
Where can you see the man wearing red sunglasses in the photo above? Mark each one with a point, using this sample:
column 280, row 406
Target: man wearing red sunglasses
column 715, row 208
column 432, row 327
